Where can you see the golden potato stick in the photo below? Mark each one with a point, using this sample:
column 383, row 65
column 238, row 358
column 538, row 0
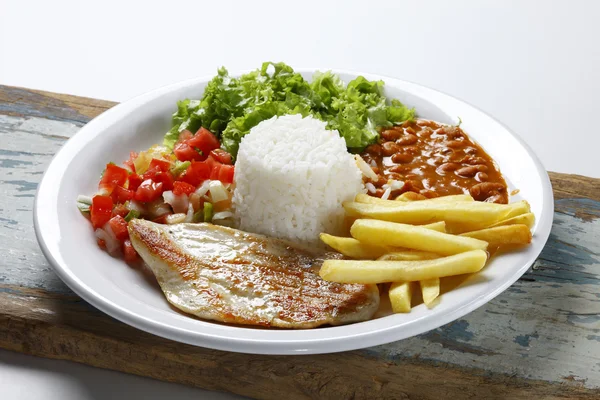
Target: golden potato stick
column 518, row 208
column 421, row 212
column 410, row 196
column 400, row 296
column 430, row 289
column 524, row 219
column 499, row 235
column 408, row 255
column 351, row 247
column 436, row 226
column 384, row 233
column 365, row 198
column 354, row 271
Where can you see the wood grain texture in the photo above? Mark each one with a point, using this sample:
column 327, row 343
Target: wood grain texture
column 540, row 338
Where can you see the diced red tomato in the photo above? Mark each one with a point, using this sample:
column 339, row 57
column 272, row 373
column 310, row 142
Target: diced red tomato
column 113, row 176
column 226, row 173
column 185, row 152
column 101, row 244
column 221, row 156
column 101, row 210
column 182, row 187
column 121, row 210
column 204, row 140
column 148, row 191
column 162, row 165
column 196, row 173
column 132, row 156
column 166, row 178
column 214, row 173
column 184, row 135
column 119, row 227
column 129, row 252
column 135, row 181
column 121, row 195
column 162, row 219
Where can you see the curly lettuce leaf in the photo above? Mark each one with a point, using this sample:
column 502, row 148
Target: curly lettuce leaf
column 230, row 107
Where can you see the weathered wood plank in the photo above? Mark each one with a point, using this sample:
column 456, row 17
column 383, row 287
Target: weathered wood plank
column 539, row 338
column 29, row 325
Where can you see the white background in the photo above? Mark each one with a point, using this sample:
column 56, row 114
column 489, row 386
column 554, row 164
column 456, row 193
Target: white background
column 534, row 65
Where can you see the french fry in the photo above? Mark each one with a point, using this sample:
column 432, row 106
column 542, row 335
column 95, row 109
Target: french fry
column 527, row 219
column 351, row 247
column 430, row 289
column 400, row 296
column 366, row 199
column 499, row 235
column 353, row 271
column 412, row 237
column 518, row 208
column 436, row 226
column 410, row 196
column 408, row 255
column 422, row 212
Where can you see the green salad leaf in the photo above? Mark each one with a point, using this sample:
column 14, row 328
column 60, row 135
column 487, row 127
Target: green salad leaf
column 231, row 106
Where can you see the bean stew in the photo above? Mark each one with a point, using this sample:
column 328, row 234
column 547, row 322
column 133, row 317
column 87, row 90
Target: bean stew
column 434, row 160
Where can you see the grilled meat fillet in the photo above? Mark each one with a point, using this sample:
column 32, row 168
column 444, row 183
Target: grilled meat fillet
column 227, row 275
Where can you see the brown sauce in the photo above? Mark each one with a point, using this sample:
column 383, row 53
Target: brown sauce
column 434, row 160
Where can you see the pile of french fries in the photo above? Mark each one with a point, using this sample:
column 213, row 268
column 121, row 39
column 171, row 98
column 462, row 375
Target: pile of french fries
column 412, row 239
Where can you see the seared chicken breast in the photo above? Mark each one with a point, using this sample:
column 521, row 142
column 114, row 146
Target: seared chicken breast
column 227, row 275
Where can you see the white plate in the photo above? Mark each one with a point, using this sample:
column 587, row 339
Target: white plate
column 109, row 284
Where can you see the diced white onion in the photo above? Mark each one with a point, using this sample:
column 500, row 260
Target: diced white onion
column 175, row 218
column 179, row 203
column 203, row 189
column 110, row 240
column 222, row 215
column 157, row 208
column 370, row 187
column 135, row 205
column 189, row 217
column 217, row 191
column 396, row 185
column 365, row 168
column 386, row 194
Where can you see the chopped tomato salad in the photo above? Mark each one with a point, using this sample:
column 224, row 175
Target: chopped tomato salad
column 193, row 182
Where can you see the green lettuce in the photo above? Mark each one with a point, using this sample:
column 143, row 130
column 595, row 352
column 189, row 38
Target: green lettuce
column 231, row 106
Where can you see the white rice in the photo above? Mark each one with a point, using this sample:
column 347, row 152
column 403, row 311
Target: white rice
column 291, row 177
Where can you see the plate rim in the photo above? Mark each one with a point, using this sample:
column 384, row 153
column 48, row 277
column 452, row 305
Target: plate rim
column 281, row 347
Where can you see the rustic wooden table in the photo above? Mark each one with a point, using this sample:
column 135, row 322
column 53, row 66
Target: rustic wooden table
column 540, row 338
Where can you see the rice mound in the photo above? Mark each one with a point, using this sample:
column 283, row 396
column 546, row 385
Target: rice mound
column 291, row 177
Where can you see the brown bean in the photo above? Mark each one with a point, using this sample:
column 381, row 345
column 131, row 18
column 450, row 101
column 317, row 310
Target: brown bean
column 376, row 170
column 475, row 160
column 409, row 130
column 445, row 150
column 470, row 150
column 414, row 150
column 412, row 186
column 455, row 144
column 430, row 194
column 379, row 192
column 407, row 140
column 389, row 148
column 391, row 134
column 381, row 180
column 447, row 167
column 425, row 132
column 470, row 171
column 482, row 191
column 402, row 158
column 398, row 169
column 395, row 176
column 374, row 149
column 481, row 177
